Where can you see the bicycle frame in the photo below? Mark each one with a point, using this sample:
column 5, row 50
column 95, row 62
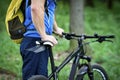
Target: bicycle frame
column 76, row 54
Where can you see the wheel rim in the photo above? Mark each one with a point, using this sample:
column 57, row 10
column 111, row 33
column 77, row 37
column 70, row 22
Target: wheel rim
column 98, row 75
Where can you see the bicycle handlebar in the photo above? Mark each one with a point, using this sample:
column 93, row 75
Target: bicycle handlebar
column 70, row 36
column 100, row 38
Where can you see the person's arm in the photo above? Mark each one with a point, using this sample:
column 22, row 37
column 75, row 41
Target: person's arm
column 37, row 11
column 57, row 30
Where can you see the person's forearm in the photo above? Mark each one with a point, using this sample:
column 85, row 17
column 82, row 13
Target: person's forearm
column 37, row 12
column 38, row 18
column 56, row 29
column 55, row 26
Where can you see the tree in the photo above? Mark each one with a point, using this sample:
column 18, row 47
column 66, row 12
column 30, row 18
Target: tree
column 76, row 19
column 89, row 3
column 109, row 4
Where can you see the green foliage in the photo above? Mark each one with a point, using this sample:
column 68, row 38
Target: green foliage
column 3, row 6
column 103, row 21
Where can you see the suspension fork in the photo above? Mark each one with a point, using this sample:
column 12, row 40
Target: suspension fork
column 85, row 69
column 90, row 70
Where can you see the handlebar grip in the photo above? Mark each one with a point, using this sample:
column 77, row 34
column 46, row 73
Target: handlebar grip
column 68, row 36
column 108, row 36
column 63, row 33
column 112, row 36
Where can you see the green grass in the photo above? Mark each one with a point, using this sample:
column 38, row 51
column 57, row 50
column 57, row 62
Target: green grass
column 9, row 54
column 97, row 20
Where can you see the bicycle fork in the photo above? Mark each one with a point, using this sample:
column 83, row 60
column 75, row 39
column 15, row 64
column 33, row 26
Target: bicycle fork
column 85, row 69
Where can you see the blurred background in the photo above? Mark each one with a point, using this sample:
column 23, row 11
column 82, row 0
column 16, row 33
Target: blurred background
column 78, row 16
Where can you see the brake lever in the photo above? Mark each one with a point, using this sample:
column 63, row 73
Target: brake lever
column 100, row 41
column 109, row 41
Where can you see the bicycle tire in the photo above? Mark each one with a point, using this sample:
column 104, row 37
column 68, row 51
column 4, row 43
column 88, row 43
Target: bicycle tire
column 99, row 73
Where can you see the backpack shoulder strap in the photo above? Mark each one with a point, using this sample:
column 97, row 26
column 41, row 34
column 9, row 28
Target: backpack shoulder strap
column 46, row 7
column 22, row 7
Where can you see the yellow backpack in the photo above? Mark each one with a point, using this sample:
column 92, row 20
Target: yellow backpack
column 14, row 20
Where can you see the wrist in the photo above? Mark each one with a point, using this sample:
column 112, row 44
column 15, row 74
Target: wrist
column 43, row 35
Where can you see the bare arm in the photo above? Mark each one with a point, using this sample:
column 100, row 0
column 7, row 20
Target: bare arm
column 37, row 11
column 57, row 30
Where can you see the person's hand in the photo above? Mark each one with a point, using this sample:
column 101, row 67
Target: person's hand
column 59, row 31
column 50, row 38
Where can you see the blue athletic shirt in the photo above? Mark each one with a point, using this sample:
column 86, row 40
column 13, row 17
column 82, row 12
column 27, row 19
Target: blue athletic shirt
column 48, row 20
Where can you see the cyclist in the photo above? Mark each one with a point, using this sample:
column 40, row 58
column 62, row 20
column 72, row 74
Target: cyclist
column 41, row 28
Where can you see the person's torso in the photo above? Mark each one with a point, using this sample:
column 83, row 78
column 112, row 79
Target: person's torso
column 48, row 20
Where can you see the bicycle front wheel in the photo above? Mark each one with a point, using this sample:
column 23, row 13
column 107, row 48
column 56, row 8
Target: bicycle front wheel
column 98, row 74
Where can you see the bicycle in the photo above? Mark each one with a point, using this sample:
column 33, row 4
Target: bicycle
column 79, row 71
